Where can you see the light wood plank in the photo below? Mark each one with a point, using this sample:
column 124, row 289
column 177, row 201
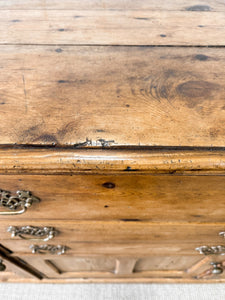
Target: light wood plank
column 190, row 5
column 129, row 96
column 132, row 232
column 125, row 197
column 110, row 27
column 109, row 249
column 102, row 161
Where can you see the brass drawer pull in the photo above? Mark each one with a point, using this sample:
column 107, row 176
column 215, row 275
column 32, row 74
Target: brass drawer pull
column 216, row 269
column 49, row 249
column 206, row 250
column 40, row 234
column 2, row 266
column 23, row 200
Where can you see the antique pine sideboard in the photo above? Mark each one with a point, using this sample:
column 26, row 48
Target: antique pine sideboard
column 112, row 141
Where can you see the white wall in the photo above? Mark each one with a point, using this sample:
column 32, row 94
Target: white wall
column 112, row 291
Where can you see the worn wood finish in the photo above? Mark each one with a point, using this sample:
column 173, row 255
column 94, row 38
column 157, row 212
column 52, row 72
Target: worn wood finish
column 176, row 96
column 188, row 5
column 102, row 161
column 113, row 27
column 12, row 272
column 95, row 81
column 125, row 197
column 115, row 249
column 150, row 267
column 127, row 231
column 17, row 265
column 65, row 267
column 130, row 161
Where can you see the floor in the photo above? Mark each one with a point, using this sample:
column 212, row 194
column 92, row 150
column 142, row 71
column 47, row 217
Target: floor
column 112, row 291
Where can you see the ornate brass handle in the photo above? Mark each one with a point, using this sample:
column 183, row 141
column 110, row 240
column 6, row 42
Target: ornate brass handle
column 49, row 249
column 206, row 250
column 23, row 200
column 2, row 266
column 40, row 234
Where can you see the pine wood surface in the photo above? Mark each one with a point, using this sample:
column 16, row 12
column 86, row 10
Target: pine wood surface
column 125, row 100
column 129, row 231
column 126, row 197
column 113, row 27
column 110, row 160
column 177, row 5
column 116, row 249
column 157, row 96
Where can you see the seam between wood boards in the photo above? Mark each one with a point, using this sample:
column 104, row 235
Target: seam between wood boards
column 112, row 45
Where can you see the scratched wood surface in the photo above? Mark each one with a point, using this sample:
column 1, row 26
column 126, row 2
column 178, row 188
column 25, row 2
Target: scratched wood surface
column 116, row 161
column 106, row 74
column 127, row 96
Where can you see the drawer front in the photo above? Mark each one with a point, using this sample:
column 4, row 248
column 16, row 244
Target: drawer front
column 121, row 197
column 121, row 231
column 55, row 266
column 117, row 249
column 186, row 267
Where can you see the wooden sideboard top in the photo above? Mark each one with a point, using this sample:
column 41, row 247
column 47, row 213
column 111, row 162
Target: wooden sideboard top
column 120, row 73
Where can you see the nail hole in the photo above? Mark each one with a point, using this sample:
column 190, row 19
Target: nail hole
column 109, row 185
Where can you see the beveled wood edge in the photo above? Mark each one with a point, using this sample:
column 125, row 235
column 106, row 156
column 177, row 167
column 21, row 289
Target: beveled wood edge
column 60, row 161
column 115, row 280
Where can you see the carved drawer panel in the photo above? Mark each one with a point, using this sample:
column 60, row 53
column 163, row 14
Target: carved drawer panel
column 126, row 196
column 84, row 266
column 176, row 267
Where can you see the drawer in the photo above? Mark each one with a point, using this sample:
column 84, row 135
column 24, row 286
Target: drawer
column 140, row 260
column 118, row 249
column 87, row 267
column 121, row 231
column 126, row 196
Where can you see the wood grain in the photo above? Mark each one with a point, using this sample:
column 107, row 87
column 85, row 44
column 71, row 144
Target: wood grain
column 105, row 267
column 125, row 197
column 189, row 5
column 114, row 161
column 129, row 96
column 124, row 232
column 104, row 75
column 114, row 27
column 109, row 249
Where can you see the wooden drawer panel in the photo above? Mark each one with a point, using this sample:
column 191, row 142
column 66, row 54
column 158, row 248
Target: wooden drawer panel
column 101, row 266
column 120, row 231
column 122, row 197
column 102, row 261
column 105, row 267
column 121, row 249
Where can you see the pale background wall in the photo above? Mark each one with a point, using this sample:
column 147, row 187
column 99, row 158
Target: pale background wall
column 112, row 291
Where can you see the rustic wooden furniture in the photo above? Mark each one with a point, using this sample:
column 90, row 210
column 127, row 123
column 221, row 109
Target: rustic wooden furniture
column 112, row 158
